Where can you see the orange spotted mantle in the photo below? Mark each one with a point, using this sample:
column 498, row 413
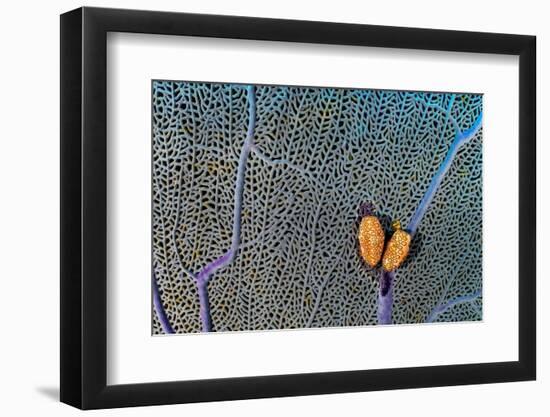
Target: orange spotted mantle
column 371, row 240
column 397, row 248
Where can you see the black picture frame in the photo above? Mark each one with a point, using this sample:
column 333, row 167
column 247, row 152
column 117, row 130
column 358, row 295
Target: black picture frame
column 84, row 207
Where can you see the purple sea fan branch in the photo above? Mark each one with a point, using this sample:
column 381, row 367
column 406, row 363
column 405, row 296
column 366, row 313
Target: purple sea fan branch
column 441, row 308
column 387, row 279
column 256, row 151
column 385, row 297
column 227, row 258
column 205, row 274
column 204, row 306
column 159, row 308
column 446, row 111
column 460, row 139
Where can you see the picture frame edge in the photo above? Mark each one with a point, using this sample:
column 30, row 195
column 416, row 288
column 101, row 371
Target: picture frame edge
column 83, row 183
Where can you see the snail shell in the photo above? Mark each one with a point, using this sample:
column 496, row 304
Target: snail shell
column 397, row 249
column 371, row 240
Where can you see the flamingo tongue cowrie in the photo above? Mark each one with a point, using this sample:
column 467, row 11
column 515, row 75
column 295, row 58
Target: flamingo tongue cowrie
column 370, row 236
column 397, row 248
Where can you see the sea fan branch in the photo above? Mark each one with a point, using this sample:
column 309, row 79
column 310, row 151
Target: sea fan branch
column 441, row 308
column 202, row 278
column 461, row 138
column 283, row 161
column 385, row 297
column 206, row 273
column 159, row 308
column 387, row 279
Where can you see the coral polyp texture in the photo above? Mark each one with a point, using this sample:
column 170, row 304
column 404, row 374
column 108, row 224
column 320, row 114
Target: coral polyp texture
column 256, row 191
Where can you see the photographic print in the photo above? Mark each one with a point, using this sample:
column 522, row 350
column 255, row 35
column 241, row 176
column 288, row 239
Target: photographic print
column 289, row 207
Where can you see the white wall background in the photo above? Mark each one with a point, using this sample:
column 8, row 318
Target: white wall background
column 29, row 226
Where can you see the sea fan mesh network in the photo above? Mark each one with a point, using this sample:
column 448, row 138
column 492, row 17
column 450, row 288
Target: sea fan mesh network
column 297, row 265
